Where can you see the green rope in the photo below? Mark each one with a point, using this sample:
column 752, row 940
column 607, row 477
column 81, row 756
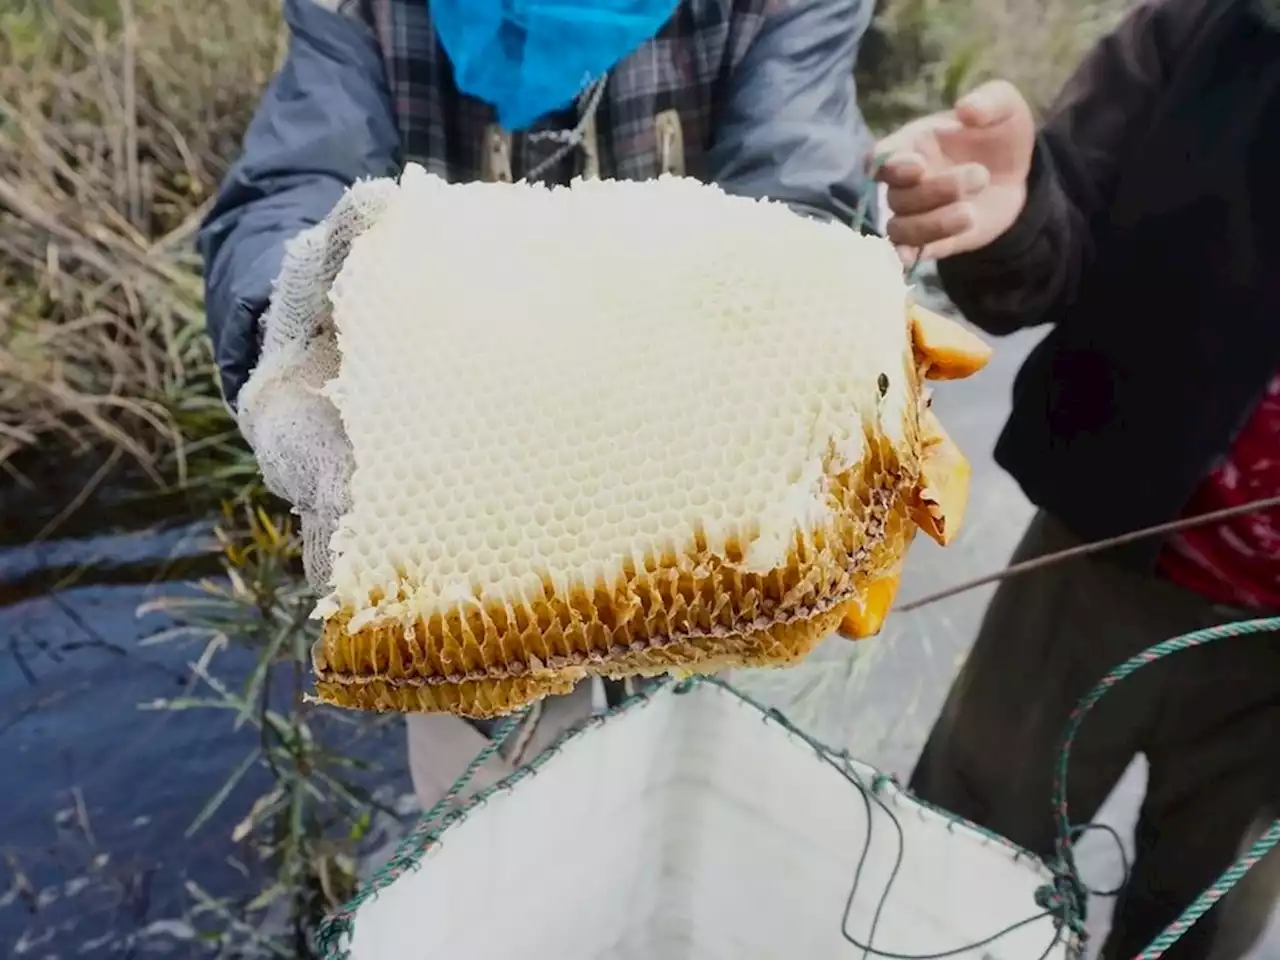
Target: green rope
column 864, row 208
column 868, row 191
column 1065, row 898
column 1230, row 877
column 1068, row 893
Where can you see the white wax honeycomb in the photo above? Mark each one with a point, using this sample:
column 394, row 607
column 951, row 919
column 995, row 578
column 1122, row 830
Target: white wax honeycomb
column 539, row 383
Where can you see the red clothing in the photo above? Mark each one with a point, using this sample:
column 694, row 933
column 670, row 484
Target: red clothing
column 1237, row 561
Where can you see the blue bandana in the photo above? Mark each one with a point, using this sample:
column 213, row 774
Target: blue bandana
column 528, row 58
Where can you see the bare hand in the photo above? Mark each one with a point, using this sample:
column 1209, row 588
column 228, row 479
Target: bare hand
column 958, row 179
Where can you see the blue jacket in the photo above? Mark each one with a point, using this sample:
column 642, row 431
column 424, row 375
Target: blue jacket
column 789, row 129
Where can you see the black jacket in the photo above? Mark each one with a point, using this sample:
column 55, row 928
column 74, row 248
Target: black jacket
column 1151, row 243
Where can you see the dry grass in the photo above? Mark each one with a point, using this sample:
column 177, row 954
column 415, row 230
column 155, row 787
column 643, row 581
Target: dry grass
column 117, row 118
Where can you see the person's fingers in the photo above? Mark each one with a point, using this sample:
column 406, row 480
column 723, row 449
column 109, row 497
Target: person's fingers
column 902, row 170
column 909, row 255
column 940, row 250
column 902, row 140
column 990, row 104
column 949, row 247
column 938, row 190
column 910, row 137
column 917, row 137
column 902, row 158
column 924, row 229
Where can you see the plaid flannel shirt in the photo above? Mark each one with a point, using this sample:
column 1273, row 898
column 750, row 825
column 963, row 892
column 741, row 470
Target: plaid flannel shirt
column 755, row 95
column 684, row 69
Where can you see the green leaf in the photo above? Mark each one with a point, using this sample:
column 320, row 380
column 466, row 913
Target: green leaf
column 188, row 703
column 253, row 688
column 360, row 827
column 265, row 898
column 224, row 791
column 959, row 69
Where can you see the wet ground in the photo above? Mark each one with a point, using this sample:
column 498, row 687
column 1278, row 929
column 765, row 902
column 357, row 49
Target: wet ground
column 97, row 793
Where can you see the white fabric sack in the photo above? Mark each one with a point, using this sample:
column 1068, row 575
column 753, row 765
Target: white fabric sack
column 694, row 826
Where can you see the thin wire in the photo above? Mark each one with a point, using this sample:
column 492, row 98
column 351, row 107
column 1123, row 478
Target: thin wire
column 870, row 951
column 842, row 763
column 863, row 209
column 1066, row 898
column 1049, row 559
column 915, row 265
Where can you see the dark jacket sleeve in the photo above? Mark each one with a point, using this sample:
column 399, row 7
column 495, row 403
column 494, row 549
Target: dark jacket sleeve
column 1028, row 275
column 324, row 122
column 790, row 128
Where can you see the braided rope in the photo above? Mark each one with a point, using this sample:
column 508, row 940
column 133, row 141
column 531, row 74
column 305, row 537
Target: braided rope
column 1068, row 894
column 569, row 140
column 1229, row 878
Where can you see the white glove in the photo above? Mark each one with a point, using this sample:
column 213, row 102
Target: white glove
column 293, row 428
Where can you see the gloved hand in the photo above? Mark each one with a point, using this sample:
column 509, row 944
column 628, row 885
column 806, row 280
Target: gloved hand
column 293, row 428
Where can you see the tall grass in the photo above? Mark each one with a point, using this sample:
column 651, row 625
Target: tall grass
column 307, row 825
column 117, row 119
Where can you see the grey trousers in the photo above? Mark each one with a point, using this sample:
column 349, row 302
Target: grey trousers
column 441, row 746
column 1207, row 720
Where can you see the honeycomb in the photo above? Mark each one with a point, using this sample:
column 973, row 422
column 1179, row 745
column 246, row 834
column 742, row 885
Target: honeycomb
column 619, row 428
